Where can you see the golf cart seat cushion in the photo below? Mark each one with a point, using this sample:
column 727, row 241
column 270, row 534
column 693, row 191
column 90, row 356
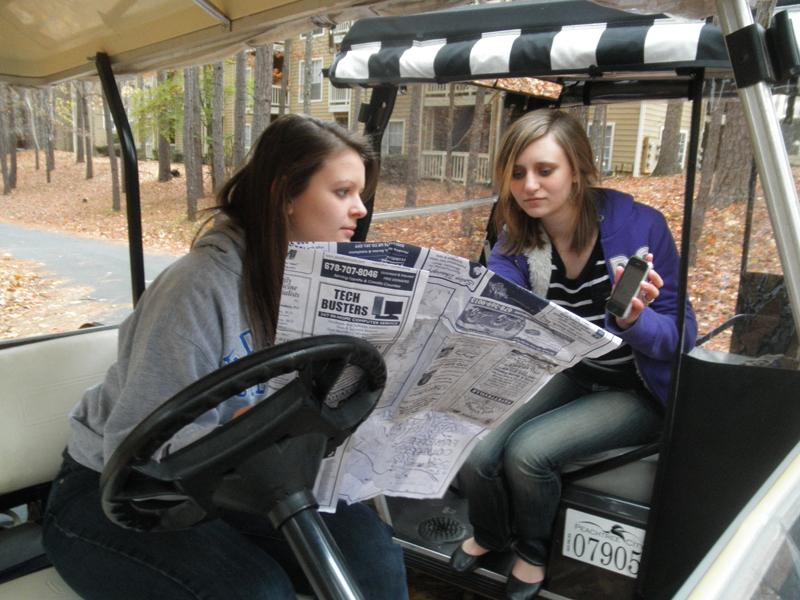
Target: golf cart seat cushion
column 632, row 481
column 42, row 381
column 41, row 585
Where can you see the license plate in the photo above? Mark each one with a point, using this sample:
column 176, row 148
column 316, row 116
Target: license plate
column 603, row 543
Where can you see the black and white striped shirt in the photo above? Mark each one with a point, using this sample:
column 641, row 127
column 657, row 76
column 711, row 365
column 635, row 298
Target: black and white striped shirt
column 586, row 297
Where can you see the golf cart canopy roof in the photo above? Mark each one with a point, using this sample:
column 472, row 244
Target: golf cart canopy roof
column 557, row 40
column 48, row 42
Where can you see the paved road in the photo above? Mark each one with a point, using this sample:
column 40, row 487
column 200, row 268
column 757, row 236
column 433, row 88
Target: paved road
column 103, row 266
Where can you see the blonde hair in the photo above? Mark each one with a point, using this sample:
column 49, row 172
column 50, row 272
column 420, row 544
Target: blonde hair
column 524, row 232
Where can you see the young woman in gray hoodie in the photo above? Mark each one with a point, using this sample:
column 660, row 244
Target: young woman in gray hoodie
column 302, row 182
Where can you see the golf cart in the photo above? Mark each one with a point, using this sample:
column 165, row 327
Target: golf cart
column 731, row 419
column 636, row 524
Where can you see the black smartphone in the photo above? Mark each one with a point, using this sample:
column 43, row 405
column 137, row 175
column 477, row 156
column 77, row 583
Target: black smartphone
column 619, row 303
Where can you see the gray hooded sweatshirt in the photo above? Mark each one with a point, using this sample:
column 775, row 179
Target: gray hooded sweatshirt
column 188, row 323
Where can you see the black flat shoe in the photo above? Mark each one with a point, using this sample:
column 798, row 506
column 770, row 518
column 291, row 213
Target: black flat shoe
column 462, row 562
column 521, row 590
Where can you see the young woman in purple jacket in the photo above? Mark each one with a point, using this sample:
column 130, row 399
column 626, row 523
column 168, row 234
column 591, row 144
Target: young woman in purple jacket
column 568, row 241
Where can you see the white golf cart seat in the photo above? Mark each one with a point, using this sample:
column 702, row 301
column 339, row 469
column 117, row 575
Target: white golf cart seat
column 42, row 381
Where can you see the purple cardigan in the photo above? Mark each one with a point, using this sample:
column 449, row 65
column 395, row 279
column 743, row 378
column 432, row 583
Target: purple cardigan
column 627, row 228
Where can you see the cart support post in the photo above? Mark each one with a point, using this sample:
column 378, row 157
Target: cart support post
column 128, row 146
column 771, row 159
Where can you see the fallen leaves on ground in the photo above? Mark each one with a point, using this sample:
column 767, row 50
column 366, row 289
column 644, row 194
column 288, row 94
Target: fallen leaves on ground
column 32, row 302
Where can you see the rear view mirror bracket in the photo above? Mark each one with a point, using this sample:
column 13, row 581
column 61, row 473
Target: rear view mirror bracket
column 764, row 55
column 782, row 47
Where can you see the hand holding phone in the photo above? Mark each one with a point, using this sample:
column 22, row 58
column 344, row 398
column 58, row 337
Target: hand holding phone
column 627, row 287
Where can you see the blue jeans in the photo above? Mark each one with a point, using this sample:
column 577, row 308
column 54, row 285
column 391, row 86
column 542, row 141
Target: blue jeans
column 512, row 477
column 239, row 557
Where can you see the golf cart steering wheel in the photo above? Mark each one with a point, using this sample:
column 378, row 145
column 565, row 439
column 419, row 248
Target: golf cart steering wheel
column 264, row 461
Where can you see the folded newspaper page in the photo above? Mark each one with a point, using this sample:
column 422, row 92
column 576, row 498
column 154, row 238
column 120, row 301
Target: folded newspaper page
column 463, row 348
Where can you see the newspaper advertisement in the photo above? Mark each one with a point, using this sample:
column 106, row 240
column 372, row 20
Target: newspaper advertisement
column 463, row 348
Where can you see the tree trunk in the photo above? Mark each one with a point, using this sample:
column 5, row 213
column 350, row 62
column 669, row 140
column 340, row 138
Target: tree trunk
column 141, row 134
column 475, row 136
column 597, row 135
column 197, row 138
column 790, row 103
column 582, row 114
column 262, row 91
column 471, row 175
column 355, row 107
column 731, row 172
column 707, row 169
column 191, row 140
column 239, row 110
column 764, row 11
column 32, row 115
column 670, row 140
column 12, row 137
column 87, row 131
column 217, row 135
column 77, row 121
column 287, row 68
column 412, row 168
column 50, row 153
column 270, row 60
column 451, row 117
column 307, row 75
column 5, row 138
column 206, row 88
column 164, row 149
column 112, row 157
column 188, row 154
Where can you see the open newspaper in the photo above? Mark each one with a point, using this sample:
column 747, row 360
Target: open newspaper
column 463, row 348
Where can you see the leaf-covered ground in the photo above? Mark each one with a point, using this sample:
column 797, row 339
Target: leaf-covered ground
column 71, row 203
column 34, row 302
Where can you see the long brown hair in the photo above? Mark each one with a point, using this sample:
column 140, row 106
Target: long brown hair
column 524, row 232
column 286, row 156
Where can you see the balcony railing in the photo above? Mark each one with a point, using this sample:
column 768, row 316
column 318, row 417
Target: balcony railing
column 276, row 99
column 440, row 89
column 338, row 99
column 340, row 29
column 432, row 166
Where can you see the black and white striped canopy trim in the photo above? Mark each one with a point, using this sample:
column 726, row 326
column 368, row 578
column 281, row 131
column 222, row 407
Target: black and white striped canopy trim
column 572, row 50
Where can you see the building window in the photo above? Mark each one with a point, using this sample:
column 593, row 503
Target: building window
column 682, row 138
column 392, row 142
column 608, row 146
column 316, row 79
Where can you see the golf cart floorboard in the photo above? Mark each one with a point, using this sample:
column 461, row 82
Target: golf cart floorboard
column 430, row 530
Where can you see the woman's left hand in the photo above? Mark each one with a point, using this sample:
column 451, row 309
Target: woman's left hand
column 648, row 292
